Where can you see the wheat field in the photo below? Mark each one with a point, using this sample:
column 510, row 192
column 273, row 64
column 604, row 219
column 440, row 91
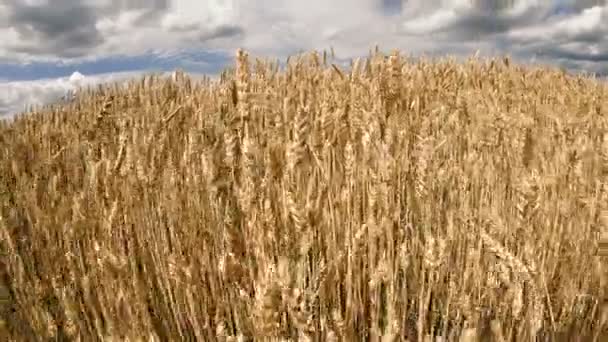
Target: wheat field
column 391, row 200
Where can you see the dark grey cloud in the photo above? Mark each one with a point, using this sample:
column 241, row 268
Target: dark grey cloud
column 565, row 33
column 149, row 12
column 485, row 19
column 51, row 19
column 223, row 31
column 67, row 29
column 61, row 27
column 473, row 25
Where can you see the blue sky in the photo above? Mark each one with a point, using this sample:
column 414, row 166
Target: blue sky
column 53, row 46
column 194, row 61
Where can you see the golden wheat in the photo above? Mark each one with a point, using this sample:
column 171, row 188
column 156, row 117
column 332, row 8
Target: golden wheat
column 395, row 201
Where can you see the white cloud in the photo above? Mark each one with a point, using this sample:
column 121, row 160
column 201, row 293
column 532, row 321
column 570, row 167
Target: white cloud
column 76, row 78
column 16, row 95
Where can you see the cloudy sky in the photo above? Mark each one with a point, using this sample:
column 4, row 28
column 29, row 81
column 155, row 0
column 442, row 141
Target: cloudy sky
column 50, row 47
